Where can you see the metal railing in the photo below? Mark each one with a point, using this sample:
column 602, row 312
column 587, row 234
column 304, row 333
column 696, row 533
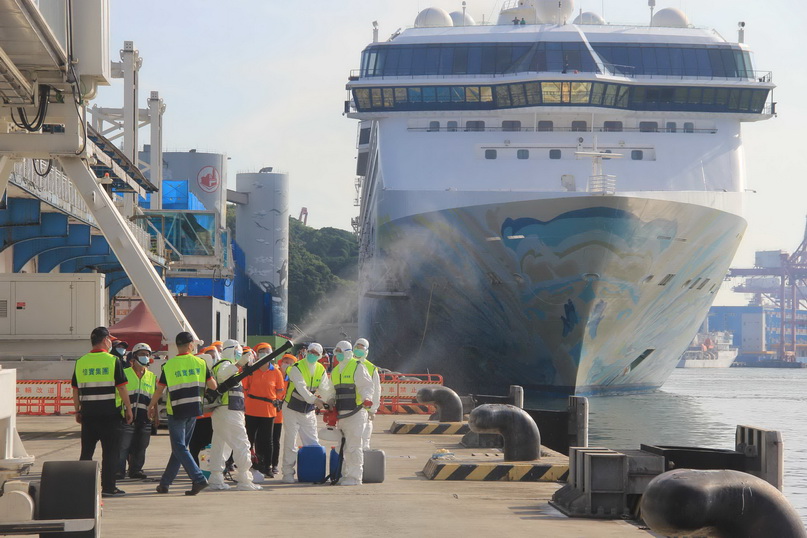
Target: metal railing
column 54, row 188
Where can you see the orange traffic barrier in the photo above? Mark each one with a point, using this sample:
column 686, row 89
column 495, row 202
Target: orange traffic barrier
column 44, row 397
column 399, row 393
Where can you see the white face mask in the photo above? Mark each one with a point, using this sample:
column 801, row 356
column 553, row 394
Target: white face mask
column 120, row 350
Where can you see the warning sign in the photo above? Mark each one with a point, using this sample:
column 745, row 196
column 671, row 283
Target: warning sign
column 208, row 179
column 20, row 306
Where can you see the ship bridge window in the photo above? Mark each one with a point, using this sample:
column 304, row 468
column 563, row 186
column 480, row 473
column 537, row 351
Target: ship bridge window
column 491, row 154
column 549, row 93
column 718, row 61
column 364, row 136
column 434, row 126
column 475, row 125
column 671, row 127
column 486, row 59
column 579, row 126
column 689, row 127
column 451, row 126
column 648, row 126
column 511, row 125
column 546, row 125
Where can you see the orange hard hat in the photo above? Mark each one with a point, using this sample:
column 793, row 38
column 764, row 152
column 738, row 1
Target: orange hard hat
column 217, row 343
column 209, row 348
column 289, row 356
column 262, row 345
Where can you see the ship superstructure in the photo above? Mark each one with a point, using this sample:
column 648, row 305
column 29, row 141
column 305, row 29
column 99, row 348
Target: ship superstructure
column 548, row 203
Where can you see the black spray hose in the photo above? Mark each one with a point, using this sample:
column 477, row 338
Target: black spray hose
column 449, row 405
column 522, row 440
column 723, row 502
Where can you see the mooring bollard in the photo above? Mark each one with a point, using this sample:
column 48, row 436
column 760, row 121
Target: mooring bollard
column 522, row 440
column 728, row 503
column 448, row 403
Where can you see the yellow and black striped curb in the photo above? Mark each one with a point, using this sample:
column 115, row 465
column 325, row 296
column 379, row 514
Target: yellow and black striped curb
column 430, row 428
column 406, row 409
column 487, row 471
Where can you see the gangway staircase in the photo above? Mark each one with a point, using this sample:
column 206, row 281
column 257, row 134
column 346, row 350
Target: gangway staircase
column 45, row 86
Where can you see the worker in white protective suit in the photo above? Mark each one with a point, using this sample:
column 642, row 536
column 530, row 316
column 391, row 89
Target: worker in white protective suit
column 353, row 388
column 360, row 351
column 229, row 427
column 309, row 387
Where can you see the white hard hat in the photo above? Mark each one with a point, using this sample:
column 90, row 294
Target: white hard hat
column 140, row 347
column 344, row 345
column 231, row 349
column 225, row 371
column 315, row 347
column 364, row 342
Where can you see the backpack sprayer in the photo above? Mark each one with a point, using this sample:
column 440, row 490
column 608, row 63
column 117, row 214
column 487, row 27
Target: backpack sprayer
column 212, row 395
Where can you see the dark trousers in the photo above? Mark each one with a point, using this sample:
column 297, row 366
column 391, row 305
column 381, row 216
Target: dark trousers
column 276, row 429
column 106, row 430
column 259, row 431
column 134, row 440
column 202, row 436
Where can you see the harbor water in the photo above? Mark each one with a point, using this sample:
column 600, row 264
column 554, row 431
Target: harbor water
column 699, row 407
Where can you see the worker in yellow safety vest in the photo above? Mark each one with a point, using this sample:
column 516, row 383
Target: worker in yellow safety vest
column 185, row 376
column 101, row 401
column 360, row 351
column 354, row 389
column 309, row 387
column 135, row 437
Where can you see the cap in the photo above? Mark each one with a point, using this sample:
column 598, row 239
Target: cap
column 315, row 347
column 184, row 338
column 99, row 333
column 116, row 342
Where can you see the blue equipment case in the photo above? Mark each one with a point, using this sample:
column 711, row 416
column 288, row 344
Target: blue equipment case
column 311, row 464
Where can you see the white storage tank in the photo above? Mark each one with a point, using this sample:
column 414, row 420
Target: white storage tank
column 206, row 174
column 262, row 232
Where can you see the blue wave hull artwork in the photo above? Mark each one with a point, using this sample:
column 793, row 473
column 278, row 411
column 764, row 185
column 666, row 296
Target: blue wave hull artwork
column 575, row 295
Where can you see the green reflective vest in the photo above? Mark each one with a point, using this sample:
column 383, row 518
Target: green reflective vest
column 348, row 400
column 141, row 389
column 95, row 376
column 185, row 379
column 294, row 400
column 371, row 368
column 233, row 398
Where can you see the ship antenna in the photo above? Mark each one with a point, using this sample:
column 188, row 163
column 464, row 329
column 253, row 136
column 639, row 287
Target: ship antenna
column 652, row 4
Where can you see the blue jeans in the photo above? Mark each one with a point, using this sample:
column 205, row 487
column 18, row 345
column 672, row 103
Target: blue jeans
column 180, row 430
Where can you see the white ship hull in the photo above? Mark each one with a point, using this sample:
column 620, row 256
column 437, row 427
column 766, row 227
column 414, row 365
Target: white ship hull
column 580, row 294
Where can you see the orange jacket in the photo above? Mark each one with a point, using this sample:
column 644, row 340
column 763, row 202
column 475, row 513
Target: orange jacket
column 265, row 384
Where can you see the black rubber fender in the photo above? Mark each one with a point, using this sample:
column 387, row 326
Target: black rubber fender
column 70, row 490
column 448, row 403
column 522, row 439
column 718, row 503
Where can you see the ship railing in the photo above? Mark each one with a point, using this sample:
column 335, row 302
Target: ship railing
column 616, row 70
column 602, row 184
column 660, row 129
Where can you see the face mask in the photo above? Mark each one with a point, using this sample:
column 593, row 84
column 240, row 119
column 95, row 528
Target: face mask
column 311, row 358
column 120, row 350
column 143, row 360
column 359, row 353
column 340, row 357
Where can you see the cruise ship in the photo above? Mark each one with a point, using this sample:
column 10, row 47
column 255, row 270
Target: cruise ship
column 550, row 201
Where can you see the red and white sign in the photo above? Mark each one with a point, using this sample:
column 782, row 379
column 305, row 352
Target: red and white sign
column 208, row 179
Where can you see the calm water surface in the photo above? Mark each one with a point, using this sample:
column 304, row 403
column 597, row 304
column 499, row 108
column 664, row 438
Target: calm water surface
column 702, row 407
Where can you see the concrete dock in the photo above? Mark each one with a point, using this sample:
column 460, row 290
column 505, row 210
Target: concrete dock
column 406, row 504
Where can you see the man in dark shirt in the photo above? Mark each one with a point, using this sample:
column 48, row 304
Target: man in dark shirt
column 185, row 376
column 99, row 392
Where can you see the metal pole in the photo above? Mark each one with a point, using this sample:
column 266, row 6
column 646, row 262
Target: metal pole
column 156, row 109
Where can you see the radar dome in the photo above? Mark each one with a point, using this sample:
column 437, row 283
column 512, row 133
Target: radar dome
column 462, row 20
column 433, row 17
column 589, row 17
column 548, row 11
column 670, row 17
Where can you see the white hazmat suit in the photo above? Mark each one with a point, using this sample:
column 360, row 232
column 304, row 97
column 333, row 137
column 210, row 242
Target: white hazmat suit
column 229, row 428
column 296, row 422
column 353, row 423
column 375, row 398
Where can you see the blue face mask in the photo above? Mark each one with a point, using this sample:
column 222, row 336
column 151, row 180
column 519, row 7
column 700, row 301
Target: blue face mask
column 120, row 350
column 311, row 358
column 359, row 353
column 143, row 360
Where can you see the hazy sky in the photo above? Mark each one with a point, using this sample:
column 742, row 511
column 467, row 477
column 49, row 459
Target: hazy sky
column 264, row 82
